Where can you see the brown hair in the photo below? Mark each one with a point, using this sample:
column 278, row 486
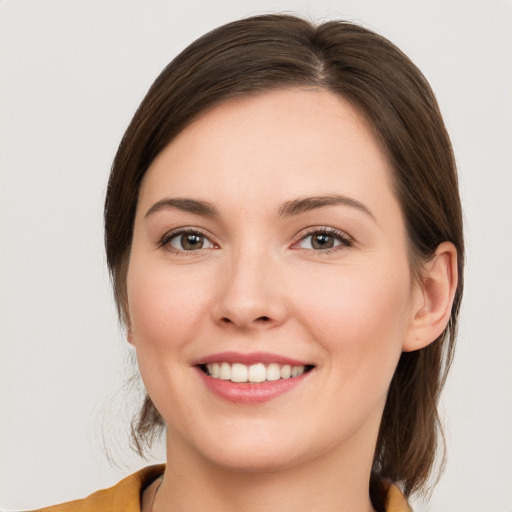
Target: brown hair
column 267, row 52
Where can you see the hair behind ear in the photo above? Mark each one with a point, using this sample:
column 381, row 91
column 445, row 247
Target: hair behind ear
column 410, row 427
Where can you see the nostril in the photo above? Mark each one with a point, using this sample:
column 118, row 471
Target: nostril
column 260, row 319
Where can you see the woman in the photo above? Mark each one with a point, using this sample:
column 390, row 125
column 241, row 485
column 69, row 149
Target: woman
column 284, row 233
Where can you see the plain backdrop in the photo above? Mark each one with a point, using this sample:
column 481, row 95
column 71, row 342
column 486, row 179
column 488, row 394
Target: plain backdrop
column 72, row 73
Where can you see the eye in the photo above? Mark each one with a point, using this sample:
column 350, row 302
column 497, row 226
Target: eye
column 324, row 239
column 187, row 240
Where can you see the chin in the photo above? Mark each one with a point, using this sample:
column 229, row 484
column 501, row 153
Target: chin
column 248, row 447
column 254, row 460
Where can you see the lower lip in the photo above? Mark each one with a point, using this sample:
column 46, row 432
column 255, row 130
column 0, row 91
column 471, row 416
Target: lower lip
column 250, row 393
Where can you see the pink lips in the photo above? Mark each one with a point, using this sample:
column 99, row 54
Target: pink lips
column 250, row 358
column 245, row 392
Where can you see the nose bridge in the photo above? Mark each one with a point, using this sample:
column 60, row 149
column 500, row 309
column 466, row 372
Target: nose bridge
column 248, row 291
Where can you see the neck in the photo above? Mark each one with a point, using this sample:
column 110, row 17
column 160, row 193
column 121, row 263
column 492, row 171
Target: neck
column 333, row 482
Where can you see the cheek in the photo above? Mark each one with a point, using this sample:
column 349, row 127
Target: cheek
column 164, row 306
column 359, row 315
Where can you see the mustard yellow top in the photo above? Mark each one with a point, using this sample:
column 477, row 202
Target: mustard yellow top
column 126, row 496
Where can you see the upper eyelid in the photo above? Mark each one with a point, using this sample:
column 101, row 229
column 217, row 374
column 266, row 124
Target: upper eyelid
column 322, row 229
column 169, row 235
column 346, row 241
column 303, row 233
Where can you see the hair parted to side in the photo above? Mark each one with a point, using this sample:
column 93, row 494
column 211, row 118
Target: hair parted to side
column 267, row 52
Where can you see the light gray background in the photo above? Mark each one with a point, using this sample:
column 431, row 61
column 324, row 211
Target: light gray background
column 72, row 74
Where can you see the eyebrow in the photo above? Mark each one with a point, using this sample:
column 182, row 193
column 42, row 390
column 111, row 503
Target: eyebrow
column 287, row 209
column 302, row 205
column 186, row 205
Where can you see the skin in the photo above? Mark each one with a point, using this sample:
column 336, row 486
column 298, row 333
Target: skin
column 258, row 284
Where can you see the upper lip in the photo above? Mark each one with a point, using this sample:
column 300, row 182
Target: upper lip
column 249, row 358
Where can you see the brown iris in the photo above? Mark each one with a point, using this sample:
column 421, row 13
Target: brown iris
column 322, row 241
column 191, row 241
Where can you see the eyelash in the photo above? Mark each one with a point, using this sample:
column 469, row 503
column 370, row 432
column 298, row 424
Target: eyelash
column 343, row 238
column 166, row 239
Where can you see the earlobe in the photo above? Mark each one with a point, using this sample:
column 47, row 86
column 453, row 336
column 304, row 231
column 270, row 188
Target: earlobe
column 127, row 321
column 129, row 330
column 433, row 299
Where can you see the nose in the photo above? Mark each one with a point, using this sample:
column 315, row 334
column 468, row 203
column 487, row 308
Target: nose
column 251, row 293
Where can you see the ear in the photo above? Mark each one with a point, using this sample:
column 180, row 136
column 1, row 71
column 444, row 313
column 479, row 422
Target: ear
column 126, row 320
column 433, row 298
column 129, row 330
column 129, row 334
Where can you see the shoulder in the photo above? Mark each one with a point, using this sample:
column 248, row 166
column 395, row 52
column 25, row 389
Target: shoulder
column 122, row 497
column 395, row 501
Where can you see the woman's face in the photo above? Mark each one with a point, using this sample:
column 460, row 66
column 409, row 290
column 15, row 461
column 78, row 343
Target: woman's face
column 267, row 237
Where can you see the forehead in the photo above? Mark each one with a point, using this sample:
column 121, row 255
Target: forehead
column 282, row 143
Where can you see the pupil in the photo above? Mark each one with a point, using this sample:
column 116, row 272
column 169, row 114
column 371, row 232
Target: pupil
column 191, row 242
column 323, row 242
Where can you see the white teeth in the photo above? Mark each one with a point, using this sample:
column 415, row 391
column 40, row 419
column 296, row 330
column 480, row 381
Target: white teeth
column 286, row 371
column 225, row 371
column 297, row 370
column 255, row 373
column 215, row 370
column 273, row 371
column 239, row 373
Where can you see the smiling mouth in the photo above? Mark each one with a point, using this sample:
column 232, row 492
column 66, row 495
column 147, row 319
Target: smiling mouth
column 254, row 373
